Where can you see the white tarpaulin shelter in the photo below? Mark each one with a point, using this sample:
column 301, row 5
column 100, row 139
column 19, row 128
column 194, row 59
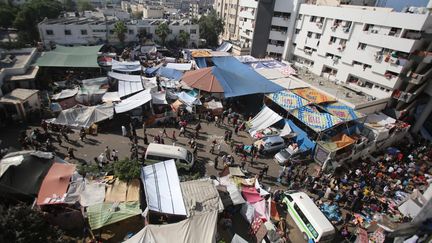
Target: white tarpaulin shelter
column 92, row 194
column 410, row 208
column 66, row 93
column 201, row 196
column 133, row 102
column 111, row 97
column 213, row 105
column 265, row 118
column 162, row 189
column 84, row 116
column 180, row 66
column 198, row 228
column 159, row 98
column 289, row 83
column 187, row 99
column 8, row 162
column 126, row 88
column 285, row 130
column 126, row 66
column 125, row 77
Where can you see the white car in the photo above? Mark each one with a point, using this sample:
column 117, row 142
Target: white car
column 271, row 144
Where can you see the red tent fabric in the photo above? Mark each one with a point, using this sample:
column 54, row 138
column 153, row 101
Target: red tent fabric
column 203, row 79
column 55, row 184
column 251, row 194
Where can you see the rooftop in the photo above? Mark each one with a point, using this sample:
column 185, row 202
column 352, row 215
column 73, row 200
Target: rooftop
column 18, row 95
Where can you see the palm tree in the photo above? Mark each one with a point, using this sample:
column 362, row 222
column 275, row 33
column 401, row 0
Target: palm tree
column 163, row 31
column 184, row 38
column 120, row 29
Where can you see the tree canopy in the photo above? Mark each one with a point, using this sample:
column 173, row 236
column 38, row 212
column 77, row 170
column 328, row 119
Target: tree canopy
column 163, row 31
column 211, row 26
column 126, row 169
column 120, row 29
column 31, row 14
column 20, row 223
column 84, row 5
column 184, row 38
column 7, row 15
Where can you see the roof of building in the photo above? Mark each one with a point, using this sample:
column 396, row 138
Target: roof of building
column 18, row 95
column 63, row 56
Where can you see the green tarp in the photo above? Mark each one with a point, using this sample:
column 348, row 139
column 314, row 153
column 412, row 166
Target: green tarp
column 77, row 56
column 102, row 214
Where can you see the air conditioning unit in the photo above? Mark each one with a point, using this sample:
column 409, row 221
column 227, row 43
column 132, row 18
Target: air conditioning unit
column 308, row 51
column 334, row 27
column 346, row 29
column 374, row 31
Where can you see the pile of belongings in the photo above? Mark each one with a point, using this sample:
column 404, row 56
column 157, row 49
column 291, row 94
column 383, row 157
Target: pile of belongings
column 332, row 212
column 266, row 132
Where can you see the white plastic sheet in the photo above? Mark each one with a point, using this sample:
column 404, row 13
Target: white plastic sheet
column 180, row 66
column 126, row 88
column 84, row 116
column 111, row 97
column 265, row 118
column 159, row 98
column 93, row 193
column 133, row 102
column 126, row 66
column 125, row 77
column 66, row 93
column 187, row 99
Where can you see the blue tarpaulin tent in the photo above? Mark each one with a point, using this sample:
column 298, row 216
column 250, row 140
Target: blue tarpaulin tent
column 302, row 138
column 201, row 62
column 170, row 73
column 238, row 79
column 151, row 71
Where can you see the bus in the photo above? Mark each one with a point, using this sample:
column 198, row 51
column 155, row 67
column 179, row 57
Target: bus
column 308, row 217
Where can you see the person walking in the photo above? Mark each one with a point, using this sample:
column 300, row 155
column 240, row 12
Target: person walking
column 174, row 136
column 216, row 161
column 59, row 140
column 107, row 153
column 71, row 153
column 182, row 131
column 218, row 148
column 164, row 133
column 195, row 150
column 212, row 147
column 146, row 139
column 82, row 134
column 114, row 155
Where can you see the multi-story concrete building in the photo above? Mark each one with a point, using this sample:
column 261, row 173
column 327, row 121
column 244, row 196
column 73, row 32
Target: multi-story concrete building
column 228, row 11
column 153, row 12
column 198, row 8
column 368, row 50
column 89, row 31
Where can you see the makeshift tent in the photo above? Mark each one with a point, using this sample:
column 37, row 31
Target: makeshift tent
column 162, row 188
column 265, row 118
column 315, row 119
column 54, row 186
column 133, row 102
column 63, row 56
column 342, row 111
column 94, row 81
column 288, row 100
column 380, row 120
column 179, row 66
column 266, row 64
column 246, row 58
column 126, row 88
column 187, row 99
column 203, row 79
column 111, row 97
column 125, row 77
column 238, row 79
column 234, row 192
column 337, row 142
column 159, row 98
column 198, row 228
column 84, row 116
column 201, row 62
column 126, row 66
column 24, row 178
column 120, row 191
column 170, row 73
column 66, row 93
column 151, row 71
column 213, row 105
column 11, row 161
column 93, row 193
column 225, row 46
column 102, row 214
column 286, row 130
column 200, row 196
column 90, row 95
column 313, row 95
column 251, row 194
column 302, row 138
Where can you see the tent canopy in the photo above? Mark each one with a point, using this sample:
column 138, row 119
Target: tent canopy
column 179, row 66
column 125, row 77
column 265, row 118
column 225, row 46
column 102, row 214
column 133, row 102
column 302, row 138
column 77, row 56
column 126, row 66
column 66, row 93
column 54, row 186
column 84, row 116
column 288, row 100
column 170, row 73
column 313, row 95
column 111, row 97
column 342, row 111
column 162, row 188
column 126, row 88
column 187, row 99
column 93, row 193
column 200, row 196
column 159, row 98
column 203, row 79
column 238, row 79
column 315, row 119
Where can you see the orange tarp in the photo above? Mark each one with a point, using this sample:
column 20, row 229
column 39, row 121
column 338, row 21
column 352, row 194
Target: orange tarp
column 313, row 95
column 343, row 140
column 203, row 79
column 175, row 106
column 55, row 184
column 201, row 53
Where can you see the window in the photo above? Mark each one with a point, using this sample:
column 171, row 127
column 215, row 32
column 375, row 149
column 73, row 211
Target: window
column 83, row 32
column 309, row 34
column 313, row 18
column 289, row 198
column 49, row 32
column 317, row 36
column 68, row 32
column 305, row 221
column 193, row 31
column 361, row 46
column 131, row 32
column 99, row 30
column 297, row 31
column 332, row 40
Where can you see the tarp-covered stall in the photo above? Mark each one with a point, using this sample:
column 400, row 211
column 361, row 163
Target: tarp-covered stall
column 125, row 77
column 126, row 66
column 102, row 214
column 84, row 116
column 170, row 73
column 200, row 196
column 133, row 102
column 313, row 95
column 315, row 119
column 302, row 138
column 203, row 79
column 288, row 100
column 162, row 188
column 342, row 111
column 55, row 184
column 66, row 93
column 265, row 118
column 76, row 57
column 111, row 97
column 179, row 66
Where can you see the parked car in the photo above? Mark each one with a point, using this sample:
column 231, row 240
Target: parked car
column 271, row 144
column 289, row 154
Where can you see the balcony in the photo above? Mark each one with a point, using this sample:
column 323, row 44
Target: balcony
column 275, row 48
column 278, row 35
column 312, row 42
column 416, row 78
column 279, row 21
column 247, row 14
column 248, row 3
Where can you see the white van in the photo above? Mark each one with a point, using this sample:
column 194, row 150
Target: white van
column 160, row 152
column 308, row 217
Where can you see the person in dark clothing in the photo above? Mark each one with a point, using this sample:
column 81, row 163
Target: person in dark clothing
column 145, row 139
column 216, row 161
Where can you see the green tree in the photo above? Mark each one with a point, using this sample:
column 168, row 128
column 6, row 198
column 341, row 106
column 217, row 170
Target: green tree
column 211, row 26
column 127, row 169
column 120, row 30
column 184, row 38
column 69, row 5
column 7, row 16
column 20, row 223
column 163, row 31
column 84, row 5
column 31, row 14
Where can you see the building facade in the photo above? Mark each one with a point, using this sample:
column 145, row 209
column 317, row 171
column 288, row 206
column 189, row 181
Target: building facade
column 91, row 31
column 228, row 11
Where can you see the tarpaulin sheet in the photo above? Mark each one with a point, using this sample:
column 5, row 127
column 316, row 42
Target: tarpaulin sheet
column 342, row 140
column 179, row 66
column 265, row 118
column 102, row 214
column 313, row 118
column 84, row 116
column 170, row 73
column 286, row 130
column 111, row 97
column 126, row 66
column 66, row 93
column 55, row 184
column 187, row 99
column 151, row 71
column 65, row 56
column 133, row 102
column 93, row 193
column 289, row 83
column 342, row 111
column 126, row 88
column 313, row 95
column 302, row 139
column 116, row 192
column 11, row 161
column 94, row 82
column 198, row 228
column 246, row 58
column 232, row 189
column 203, row 79
column 238, row 79
column 201, row 62
column 125, row 77
column 213, row 105
column 288, row 100
column 224, row 47
column 159, row 98
column 202, row 193
column 201, row 53
column 162, row 188
column 251, row 194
